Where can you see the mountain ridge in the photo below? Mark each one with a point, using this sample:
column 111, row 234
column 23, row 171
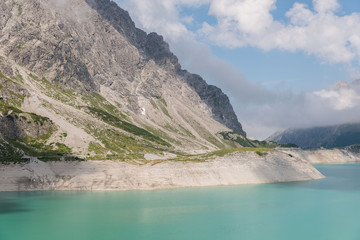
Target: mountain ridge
column 105, row 88
column 158, row 50
column 335, row 136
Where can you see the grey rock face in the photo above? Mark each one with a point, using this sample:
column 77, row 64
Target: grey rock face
column 44, row 46
column 157, row 49
column 18, row 126
column 151, row 46
column 120, row 20
column 219, row 103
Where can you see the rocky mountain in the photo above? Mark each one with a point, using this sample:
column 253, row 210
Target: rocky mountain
column 79, row 80
column 321, row 137
column 340, row 95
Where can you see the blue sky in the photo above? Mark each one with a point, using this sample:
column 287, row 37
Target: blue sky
column 279, row 69
column 297, row 71
column 276, row 59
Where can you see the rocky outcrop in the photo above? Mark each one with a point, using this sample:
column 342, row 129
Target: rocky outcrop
column 236, row 168
column 21, row 125
column 219, row 103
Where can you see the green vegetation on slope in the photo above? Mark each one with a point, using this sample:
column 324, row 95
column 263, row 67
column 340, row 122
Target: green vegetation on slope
column 7, row 95
column 10, row 154
column 99, row 107
column 66, row 96
column 163, row 106
column 32, row 146
column 19, row 8
column 15, row 143
column 121, row 140
column 97, row 101
column 117, row 146
column 45, row 152
column 220, row 153
column 128, row 127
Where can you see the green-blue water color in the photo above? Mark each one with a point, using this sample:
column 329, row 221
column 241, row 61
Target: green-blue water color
column 327, row 209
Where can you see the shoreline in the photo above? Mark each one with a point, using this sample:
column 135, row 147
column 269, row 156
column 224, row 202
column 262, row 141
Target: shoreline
column 326, row 156
column 157, row 189
column 233, row 169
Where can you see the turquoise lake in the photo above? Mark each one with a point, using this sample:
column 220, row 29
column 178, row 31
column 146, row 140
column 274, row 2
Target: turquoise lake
column 323, row 209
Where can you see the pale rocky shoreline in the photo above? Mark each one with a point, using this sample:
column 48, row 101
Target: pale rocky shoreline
column 327, row 156
column 233, row 169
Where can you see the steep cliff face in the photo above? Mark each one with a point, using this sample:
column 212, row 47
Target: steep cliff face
column 154, row 47
column 219, row 103
column 109, row 89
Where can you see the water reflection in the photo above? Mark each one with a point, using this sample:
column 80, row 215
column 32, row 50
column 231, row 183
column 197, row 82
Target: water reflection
column 338, row 178
column 282, row 211
column 11, row 206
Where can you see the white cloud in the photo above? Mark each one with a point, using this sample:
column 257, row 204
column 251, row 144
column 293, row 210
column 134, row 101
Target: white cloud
column 334, row 39
column 244, row 16
column 340, row 100
column 324, row 6
column 319, row 32
column 300, row 15
column 335, row 105
column 157, row 15
column 187, row 20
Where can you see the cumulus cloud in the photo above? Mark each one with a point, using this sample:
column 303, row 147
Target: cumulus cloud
column 317, row 31
column 339, row 100
column 324, row 6
column 335, row 105
column 249, row 16
column 333, row 38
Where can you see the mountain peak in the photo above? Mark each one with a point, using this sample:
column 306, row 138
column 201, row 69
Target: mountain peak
column 340, row 85
column 112, row 89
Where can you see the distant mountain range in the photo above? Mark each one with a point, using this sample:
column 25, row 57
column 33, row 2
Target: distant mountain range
column 333, row 136
column 320, row 137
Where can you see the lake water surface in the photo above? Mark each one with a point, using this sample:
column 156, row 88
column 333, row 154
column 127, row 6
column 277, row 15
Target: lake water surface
column 323, row 210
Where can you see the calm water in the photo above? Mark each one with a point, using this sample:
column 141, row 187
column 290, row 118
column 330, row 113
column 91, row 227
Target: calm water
column 324, row 209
